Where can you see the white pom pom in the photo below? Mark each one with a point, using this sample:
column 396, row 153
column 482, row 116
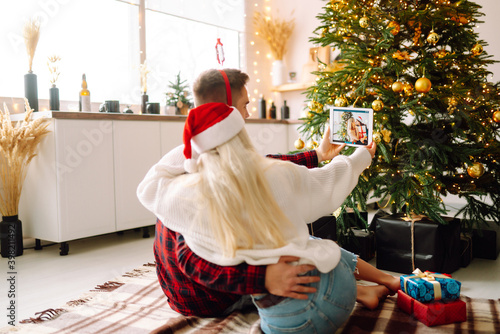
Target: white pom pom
column 191, row 166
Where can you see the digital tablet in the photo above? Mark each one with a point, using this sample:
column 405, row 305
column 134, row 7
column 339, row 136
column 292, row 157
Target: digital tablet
column 352, row 126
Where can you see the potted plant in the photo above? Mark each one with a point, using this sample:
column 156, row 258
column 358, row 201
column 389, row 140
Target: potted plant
column 179, row 95
column 18, row 146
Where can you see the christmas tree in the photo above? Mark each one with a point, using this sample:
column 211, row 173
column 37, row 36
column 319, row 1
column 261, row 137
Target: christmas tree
column 179, row 95
column 422, row 69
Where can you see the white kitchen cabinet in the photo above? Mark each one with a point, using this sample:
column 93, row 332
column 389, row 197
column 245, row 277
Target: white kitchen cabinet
column 83, row 181
column 84, row 171
column 69, row 189
column 137, row 147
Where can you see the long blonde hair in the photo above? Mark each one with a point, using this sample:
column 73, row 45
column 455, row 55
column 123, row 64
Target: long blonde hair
column 243, row 212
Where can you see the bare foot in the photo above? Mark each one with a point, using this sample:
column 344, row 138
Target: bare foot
column 370, row 296
column 392, row 283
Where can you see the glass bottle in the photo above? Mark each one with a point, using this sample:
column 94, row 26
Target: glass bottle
column 84, row 96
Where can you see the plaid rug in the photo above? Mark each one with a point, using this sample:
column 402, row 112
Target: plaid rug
column 135, row 304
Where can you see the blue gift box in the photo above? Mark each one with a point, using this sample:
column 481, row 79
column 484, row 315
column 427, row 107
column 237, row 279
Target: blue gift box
column 426, row 287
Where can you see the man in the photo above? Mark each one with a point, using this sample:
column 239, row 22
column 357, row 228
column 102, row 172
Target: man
column 197, row 287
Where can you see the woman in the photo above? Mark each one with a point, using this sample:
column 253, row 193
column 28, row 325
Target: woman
column 235, row 206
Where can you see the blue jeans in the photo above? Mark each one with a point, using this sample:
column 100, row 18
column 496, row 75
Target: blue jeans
column 324, row 311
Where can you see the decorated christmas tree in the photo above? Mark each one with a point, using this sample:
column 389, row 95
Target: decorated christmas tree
column 178, row 94
column 421, row 67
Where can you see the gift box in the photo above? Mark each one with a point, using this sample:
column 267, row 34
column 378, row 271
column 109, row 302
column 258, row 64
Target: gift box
column 466, row 254
column 486, row 242
column 434, row 313
column 403, row 245
column 361, row 242
column 427, row 287
column 324, row 228
column 352, row 219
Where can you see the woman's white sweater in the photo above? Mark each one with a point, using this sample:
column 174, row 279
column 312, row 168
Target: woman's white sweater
column 303, row 194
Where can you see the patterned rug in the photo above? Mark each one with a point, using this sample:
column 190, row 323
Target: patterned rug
column 135, row 304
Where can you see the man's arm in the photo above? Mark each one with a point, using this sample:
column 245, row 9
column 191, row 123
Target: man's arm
column 280, row 279
column 307, row 158
column 325, row 151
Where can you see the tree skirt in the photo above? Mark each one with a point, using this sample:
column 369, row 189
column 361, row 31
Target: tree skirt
column 134, row 303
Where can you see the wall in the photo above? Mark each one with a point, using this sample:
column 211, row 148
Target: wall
column 259, row 61
column 304, row 12
column 488, row 31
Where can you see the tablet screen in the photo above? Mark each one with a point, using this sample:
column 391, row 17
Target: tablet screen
column 353, row 126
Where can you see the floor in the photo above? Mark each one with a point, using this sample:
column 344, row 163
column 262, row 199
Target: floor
column 47, row 280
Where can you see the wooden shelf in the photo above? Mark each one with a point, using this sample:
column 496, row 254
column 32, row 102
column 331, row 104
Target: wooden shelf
column 290, row 87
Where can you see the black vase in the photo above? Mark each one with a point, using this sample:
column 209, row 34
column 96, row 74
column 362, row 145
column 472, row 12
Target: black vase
column 11, row 236
column 54, row 98
column 31, row 90
column 144, row 101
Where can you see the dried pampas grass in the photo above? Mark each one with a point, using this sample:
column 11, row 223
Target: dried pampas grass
column 31, row 34
column 275, row 32
column 53, row 64
column 18, row 145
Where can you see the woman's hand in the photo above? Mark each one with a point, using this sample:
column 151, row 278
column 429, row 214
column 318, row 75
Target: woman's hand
column 372, row 148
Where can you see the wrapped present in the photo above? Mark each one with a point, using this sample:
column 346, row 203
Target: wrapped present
column 352, row 219
column 466, row 254
column 426, row 286
column 435, row 313
column 404, row 244
column 324, row 228
column 362, row 242
column 486, row 242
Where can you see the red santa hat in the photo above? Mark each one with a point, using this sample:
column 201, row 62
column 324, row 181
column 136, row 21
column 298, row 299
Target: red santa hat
column 207, row 127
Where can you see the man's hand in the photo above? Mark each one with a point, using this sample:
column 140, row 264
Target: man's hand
column 282, row 278
column 327, row 150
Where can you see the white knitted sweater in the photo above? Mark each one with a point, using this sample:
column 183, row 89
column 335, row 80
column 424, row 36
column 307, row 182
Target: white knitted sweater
column 303, row 194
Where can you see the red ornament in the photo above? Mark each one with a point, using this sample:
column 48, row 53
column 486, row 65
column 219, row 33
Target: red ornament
column 219, row 50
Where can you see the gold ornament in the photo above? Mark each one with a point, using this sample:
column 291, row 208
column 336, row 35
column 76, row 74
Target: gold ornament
column 374, row 62
column 401, row 55
column 423, row 85
column 477, row 49
column 377, row 105
column 340, row 101
column 453, row 101
column 363, row 22
column 476, row 170
column 408, row 89
column 433, row 38
column 397, row 87
column 312, row 145
column 460, row 18
column 377, row 137
column 496, row 116
column 386, row 135
column 441, row 54
column 299, row 144
column 394, row 26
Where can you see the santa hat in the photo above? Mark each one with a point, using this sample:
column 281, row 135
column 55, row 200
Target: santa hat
column 207, row 127
column 360, row 119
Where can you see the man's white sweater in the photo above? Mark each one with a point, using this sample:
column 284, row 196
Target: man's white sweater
column 303, row 194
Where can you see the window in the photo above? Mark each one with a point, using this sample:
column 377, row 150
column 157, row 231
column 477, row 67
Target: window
column 101, row 39
column 181, row 37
